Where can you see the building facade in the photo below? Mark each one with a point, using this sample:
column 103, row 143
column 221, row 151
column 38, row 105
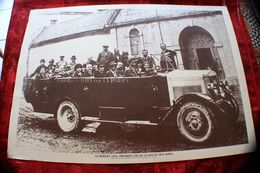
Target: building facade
column 200, row 39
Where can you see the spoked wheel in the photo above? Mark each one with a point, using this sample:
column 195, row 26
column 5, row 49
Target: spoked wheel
column 195, row 122
column 68, row 117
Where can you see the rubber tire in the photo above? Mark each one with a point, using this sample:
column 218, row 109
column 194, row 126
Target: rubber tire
column 66, row 125
column 206, row 117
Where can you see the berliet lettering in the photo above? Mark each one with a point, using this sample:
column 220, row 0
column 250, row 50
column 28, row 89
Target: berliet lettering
column 169, row 85
column 92, row 80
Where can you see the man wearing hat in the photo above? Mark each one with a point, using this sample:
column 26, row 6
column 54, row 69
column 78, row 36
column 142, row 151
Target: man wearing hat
column 77, row 71
column 100, row 72
column 105, row 57
column 61, row 64
column 38, row 69
column 112, row 69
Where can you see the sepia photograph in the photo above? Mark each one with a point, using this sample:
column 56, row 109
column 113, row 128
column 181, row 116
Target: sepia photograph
column 129, row 84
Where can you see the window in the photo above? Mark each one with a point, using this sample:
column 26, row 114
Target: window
column 135, row 41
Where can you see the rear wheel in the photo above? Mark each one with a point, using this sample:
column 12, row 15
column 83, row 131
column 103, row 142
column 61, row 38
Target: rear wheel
column 195, row 122
column 68, row 117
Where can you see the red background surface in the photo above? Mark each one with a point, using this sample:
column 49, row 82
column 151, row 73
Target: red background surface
column 20, row 14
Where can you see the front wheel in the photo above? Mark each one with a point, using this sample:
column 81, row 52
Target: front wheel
column 68, row 117
column 195, row 122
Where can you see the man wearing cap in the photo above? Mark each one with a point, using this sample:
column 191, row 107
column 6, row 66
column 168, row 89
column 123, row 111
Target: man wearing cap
column 105, row 57
column 124, row 58
column 38, row 69
column 112, row 70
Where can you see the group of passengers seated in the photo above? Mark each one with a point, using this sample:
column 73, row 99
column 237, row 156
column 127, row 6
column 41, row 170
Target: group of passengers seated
column 108, row 64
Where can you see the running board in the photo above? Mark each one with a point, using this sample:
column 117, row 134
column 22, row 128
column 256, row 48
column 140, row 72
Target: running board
column 133, row 122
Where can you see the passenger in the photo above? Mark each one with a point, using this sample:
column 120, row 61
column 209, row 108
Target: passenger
column 88, row 72
column 120, row 69
column 101, row 71
column 67, row 72
column 61, row 64
column 41, row 74
column 72, row 63
column 167, row 58
column 83, row 68
column 112, row 70
column 95, row 69
column 50, row 73
column 105, row 57
column 51, row 65
column 117, row 55
column 77, row 71
column 124, row 58
column 91, row 61
column 38, row 69
column 148, row 59
column 148, row 71
column 56, row 73
column 140, row 67
column 131, row 71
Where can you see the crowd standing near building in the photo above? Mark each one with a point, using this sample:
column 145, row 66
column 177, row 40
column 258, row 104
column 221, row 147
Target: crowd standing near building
column 108, row 64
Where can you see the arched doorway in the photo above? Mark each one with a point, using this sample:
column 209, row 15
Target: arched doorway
column 198, row 50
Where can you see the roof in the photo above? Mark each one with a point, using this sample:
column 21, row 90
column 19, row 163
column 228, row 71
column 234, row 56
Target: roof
column 102, row 21
column 58, row 32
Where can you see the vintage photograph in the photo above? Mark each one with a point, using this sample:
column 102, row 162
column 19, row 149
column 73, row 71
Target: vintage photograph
column 129, row 84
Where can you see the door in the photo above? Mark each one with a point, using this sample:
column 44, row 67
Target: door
column 205, row 59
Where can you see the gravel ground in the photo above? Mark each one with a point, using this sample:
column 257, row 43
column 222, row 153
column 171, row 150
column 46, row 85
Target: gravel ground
column 41, row 133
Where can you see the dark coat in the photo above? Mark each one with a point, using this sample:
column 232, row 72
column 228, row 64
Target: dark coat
column 149, row 60
column 109, row 73
column 131, row 72
column 116, row 58
column 170, row 56
column 104, row 58
column 37, row 70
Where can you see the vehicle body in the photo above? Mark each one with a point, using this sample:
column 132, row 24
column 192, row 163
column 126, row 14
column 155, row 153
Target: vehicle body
column 192, row 101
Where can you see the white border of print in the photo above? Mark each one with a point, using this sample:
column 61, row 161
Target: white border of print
column 21, row 153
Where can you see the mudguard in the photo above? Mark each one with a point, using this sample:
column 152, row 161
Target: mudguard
column 193, row 97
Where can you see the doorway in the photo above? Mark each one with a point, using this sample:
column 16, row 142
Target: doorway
column 205, row 59
column 198, row 50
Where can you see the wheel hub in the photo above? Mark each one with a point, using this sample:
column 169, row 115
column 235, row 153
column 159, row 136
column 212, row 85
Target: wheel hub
column 194, row 121
column 70, row 116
